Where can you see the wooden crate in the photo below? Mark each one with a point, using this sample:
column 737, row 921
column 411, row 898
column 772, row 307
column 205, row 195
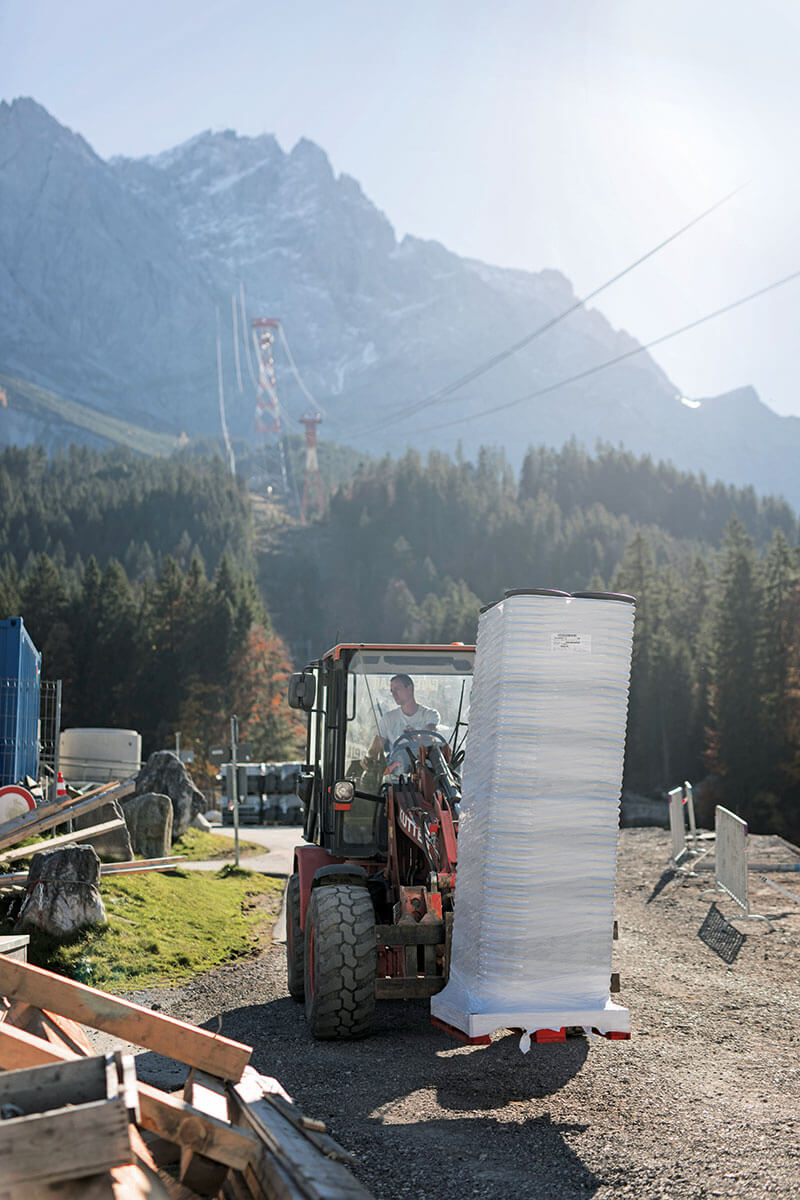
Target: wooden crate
column 66, row 1120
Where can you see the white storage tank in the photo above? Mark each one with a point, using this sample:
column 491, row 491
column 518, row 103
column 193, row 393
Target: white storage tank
column 99, row 755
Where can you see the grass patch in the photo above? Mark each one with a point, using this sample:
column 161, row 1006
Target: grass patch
column 165, row 927
column 200, row 846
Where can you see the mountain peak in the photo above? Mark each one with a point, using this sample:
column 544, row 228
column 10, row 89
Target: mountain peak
column 312, row 157
column 26, row 119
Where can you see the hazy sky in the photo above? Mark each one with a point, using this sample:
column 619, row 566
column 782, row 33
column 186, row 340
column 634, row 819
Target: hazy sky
column 529, row 133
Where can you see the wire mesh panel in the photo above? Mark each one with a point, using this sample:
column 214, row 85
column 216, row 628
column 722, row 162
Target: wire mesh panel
column 49, row 730
column 677, row 825
column 731, row 864
column 19, row 729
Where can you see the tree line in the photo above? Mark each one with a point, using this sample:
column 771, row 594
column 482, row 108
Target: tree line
column 104, row 556
column 411, row 548
column 408, row 550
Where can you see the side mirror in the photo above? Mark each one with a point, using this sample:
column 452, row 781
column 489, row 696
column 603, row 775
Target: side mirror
column 302, row 690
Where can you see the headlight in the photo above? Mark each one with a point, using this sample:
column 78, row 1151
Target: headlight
column 343, row 792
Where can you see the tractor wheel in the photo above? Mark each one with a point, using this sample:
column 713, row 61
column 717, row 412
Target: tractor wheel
column 295, row 953
column 340, row 962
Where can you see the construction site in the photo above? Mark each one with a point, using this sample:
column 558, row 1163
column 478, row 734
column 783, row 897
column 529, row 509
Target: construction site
column 576, row 1011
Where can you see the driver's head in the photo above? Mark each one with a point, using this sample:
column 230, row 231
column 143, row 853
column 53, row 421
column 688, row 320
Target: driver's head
column 402, row 689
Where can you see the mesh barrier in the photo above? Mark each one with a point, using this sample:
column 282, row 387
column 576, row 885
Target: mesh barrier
column 19, row 729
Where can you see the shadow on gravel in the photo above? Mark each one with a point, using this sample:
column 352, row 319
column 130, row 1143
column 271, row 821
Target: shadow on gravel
column 408, row 1090
column 720, row 936
column 666, row 877
column 491, row 1157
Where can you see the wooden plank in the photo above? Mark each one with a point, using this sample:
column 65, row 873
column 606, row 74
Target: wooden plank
column 176, row 1121
column 198, row 1171
column 54, row 1085
column 50, row 1026
column 19, row 1049
column 63, row 839
column 48, row 815
column 287, row 1151
column 90, row 1138
column 133, row 867
column 130, row 1022
column 94, row 1187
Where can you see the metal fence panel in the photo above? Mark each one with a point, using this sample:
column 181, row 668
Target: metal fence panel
column 19, row 729
column 677, row 825
column 731, row 856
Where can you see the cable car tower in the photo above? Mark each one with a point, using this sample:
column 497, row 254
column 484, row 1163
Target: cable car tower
column 267, row 418
column 313, row 498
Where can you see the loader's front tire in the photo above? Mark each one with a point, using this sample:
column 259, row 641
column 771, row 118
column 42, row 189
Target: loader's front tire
column 295, row 950
column 340, row 962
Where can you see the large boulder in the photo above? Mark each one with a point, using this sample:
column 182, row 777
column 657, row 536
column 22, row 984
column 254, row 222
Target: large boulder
column 62, row 895
column 114, row 846
column 165, row 774
column 149, row 821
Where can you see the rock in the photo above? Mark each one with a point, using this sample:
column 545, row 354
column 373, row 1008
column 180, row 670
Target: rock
column 214, row 816
column 165, row 774
column 62, row 894
column 199, row 821
column 149, row 821
column 114, row 846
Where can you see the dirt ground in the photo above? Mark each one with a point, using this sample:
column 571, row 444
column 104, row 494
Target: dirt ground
column 704, row 1100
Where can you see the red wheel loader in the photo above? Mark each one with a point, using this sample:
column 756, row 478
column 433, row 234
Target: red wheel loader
column 370, row 899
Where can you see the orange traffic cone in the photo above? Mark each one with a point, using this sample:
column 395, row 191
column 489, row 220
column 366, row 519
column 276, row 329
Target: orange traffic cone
column 61, row 787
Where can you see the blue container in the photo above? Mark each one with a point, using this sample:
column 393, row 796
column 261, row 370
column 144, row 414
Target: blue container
column 20, row 680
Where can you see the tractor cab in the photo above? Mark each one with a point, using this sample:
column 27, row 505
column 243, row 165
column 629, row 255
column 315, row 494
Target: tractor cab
column 359, row 734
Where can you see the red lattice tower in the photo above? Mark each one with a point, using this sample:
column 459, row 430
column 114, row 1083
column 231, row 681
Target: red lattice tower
column 313, row 498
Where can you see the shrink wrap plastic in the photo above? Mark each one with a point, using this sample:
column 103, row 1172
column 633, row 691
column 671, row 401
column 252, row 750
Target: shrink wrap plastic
column 537, row 839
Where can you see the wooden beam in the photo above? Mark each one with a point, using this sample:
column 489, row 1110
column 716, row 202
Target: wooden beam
column 198, row 1171
column 289, row 1151
column 90, row 1138
column 20, row 1049
column 176, row 1121
column 167, row 1116
column 63, row 840
column 133, row 867
column 131, row 1022
column 48, row 815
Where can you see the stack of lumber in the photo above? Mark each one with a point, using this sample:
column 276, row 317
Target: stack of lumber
column 80, row 1126
column 58, row 812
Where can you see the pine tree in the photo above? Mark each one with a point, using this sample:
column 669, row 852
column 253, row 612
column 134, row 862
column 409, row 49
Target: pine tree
column 738, row 749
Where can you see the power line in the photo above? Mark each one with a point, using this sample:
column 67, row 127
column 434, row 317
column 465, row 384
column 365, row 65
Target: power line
column 482, row 368
column 611, row 362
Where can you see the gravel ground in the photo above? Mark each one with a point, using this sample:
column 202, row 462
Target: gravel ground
column 704, row 1100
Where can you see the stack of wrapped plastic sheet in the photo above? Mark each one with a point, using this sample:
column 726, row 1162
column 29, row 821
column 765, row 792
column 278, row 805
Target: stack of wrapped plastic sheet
column 537, row 841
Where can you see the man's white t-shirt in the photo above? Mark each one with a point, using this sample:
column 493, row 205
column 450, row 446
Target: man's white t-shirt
column 396, row 722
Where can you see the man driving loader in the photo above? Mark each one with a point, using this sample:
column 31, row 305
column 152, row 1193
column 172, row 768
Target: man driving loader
column 409, row 715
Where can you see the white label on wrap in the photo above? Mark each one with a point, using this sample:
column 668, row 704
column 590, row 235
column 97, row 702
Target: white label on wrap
column 577, row 643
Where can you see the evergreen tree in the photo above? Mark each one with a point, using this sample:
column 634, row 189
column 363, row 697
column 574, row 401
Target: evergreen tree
column 738, row 744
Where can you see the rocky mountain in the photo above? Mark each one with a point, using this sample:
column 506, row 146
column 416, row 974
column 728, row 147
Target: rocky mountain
column 115, row 276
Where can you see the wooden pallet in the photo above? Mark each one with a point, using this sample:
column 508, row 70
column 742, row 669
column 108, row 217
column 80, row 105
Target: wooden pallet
column 233, row 1133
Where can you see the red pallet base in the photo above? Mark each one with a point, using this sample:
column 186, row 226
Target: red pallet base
column 485, row 1040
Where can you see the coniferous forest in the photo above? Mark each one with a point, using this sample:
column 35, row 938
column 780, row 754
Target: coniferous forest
column 166, row 598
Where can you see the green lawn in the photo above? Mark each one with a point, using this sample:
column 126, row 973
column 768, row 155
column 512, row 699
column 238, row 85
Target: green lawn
column 166, row 926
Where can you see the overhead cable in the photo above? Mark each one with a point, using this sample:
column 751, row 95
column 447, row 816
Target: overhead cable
column 611, row 362
column 482, row 368
column 296, row 373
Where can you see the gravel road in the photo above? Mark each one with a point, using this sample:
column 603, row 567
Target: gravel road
column 704, row 1100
